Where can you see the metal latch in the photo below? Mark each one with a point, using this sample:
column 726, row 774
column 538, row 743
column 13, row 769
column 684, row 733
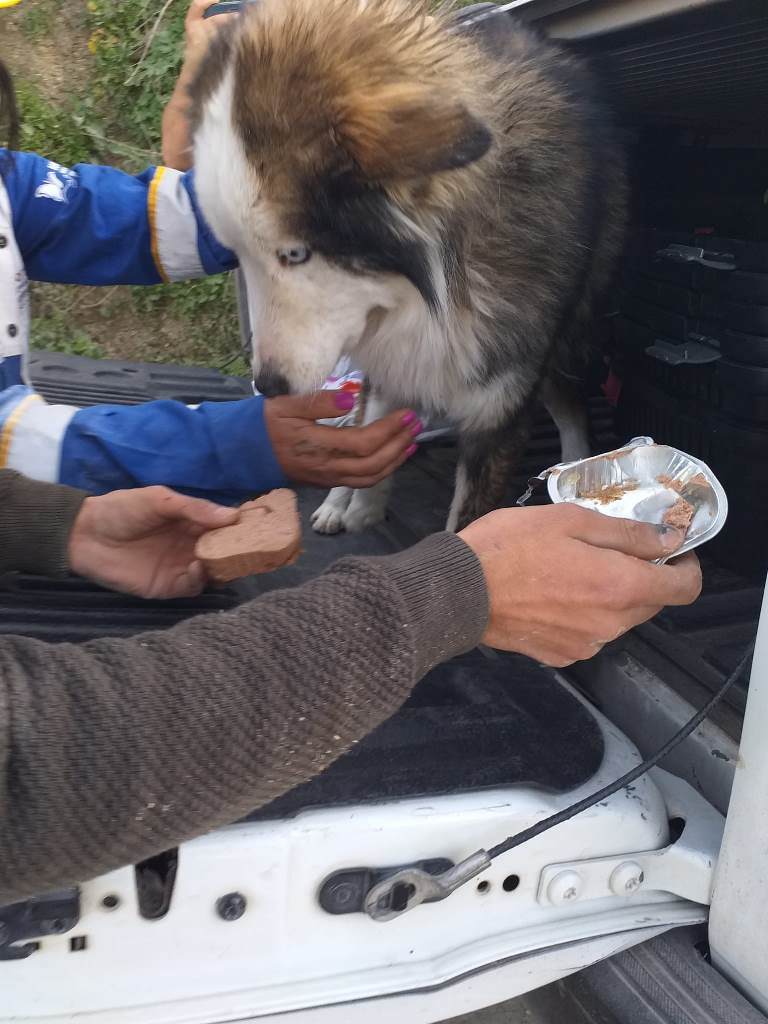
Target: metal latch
column 54, row 914
column 344, row 892
column 413, row 886
column 697, row 254
column 688, row 353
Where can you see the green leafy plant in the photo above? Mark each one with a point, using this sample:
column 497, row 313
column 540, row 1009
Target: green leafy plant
column 137, row 49
column 36, row 19
column 55, row 130
column 56, row 334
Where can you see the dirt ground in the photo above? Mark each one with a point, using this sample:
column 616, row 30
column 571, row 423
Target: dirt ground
column 55, row 64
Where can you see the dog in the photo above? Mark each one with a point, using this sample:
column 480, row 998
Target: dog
column 442, row 205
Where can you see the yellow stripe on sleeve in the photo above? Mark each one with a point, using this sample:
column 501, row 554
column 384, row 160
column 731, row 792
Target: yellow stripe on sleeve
column 10, row 425
column 152, row 214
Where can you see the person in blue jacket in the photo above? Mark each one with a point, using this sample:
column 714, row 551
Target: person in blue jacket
column 95, row 225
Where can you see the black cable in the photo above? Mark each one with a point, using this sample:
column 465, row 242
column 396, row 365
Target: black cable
column 589, row 801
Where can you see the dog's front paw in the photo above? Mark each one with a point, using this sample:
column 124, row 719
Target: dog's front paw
column 328, row 518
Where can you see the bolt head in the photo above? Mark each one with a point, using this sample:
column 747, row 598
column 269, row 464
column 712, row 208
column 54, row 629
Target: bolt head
column 565, row 887
column 231, row 907
column 626, row 879
column 344, row 894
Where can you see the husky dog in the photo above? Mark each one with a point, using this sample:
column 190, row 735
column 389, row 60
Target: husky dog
column 444, row 212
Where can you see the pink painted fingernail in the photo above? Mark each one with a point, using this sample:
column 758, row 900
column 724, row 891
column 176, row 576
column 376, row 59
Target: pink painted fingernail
column 344, row 401
column 411, row 450
column 408, row 418
column 417, row 428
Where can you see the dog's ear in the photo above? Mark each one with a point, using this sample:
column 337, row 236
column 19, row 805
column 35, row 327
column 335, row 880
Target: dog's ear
column 402, row 133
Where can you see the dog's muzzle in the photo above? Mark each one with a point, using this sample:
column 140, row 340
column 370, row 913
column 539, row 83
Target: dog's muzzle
column 271, row 384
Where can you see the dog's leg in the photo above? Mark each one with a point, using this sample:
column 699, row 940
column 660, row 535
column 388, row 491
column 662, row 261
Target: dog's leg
column 566, row 405
column 368, row 506
column 329, row 517
column 485, row 461
column 355, row 510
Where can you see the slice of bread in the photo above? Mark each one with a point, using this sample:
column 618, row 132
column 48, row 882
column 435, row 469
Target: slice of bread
column 267, row 537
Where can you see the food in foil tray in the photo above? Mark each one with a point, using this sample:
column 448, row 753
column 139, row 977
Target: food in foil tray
column 649, row 482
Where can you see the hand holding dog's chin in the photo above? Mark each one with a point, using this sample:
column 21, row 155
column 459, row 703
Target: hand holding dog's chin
column 327, row 456
column 564, row 581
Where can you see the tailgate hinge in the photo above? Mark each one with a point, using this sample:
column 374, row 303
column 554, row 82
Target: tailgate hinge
column 685, row 868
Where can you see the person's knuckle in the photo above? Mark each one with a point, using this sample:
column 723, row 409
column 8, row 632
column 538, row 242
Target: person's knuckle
column 354, row 441
column 568, row 514
column 691, row 580
column 641, row 537
column 616, row 591
column 371, row 444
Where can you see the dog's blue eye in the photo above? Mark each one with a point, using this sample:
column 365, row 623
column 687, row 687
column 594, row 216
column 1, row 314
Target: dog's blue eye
column 294, row 255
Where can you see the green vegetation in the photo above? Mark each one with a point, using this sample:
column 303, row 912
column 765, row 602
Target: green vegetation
column 56, row 333
column 136, row 59
column 92, row 81
column 37, row 19
column 49, row 129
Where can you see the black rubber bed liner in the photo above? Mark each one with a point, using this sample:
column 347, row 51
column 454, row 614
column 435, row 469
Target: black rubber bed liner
column 483, row 720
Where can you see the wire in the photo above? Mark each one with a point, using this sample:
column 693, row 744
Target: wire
column 570, row 812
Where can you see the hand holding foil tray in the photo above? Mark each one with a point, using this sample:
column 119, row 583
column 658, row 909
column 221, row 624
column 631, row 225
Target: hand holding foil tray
column 645, row 481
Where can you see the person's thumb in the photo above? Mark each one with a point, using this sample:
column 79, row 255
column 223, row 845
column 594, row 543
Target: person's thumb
column 206, row 514
column 643, row 540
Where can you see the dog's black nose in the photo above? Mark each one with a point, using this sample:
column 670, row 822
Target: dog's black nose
column 271, row 384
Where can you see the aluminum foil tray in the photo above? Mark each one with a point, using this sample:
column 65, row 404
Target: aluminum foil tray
column 650, row 482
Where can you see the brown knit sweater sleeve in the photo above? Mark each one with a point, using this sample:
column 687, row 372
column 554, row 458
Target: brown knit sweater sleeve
column 35, row 522
column 117, row 749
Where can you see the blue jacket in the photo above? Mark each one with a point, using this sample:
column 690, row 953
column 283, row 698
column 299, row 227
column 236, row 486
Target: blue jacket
column 95, row 225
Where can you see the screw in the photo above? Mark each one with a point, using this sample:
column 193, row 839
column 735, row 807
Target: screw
column 626, row 879
column 565, row 887
column 231, row 907
column 111, row 902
